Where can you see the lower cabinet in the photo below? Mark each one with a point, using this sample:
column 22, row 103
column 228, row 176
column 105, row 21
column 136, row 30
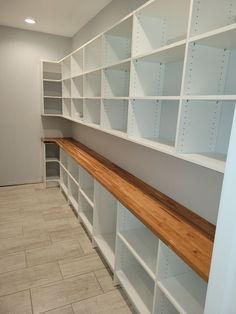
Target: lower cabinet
column 154, row 278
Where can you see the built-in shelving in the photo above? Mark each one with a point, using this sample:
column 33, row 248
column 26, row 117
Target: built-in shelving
column 85, row 211
column 73, row 169
column 64, row 180
column 131, row 71
column 86, row 185
column 73, row 193
column 52, row 152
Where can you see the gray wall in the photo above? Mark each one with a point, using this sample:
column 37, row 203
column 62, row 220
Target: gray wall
column 20, row 123
column 111, row 14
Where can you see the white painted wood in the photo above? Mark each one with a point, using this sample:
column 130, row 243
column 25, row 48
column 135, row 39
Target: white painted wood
column 66, row 88
column 77, row 112
column 73, row 169
column 51, row 70
column 92, row 111
column 66, row 68
column 77, row 60
column 162, row 304
column 66, row 107
column 64, row 180
column 52, row 152
column 77, row 87
column 221, row 289
column 93, row 54
column 52, row 106
column 92, row 84
column 85, row 211
column 86, row 182
column 73, row 193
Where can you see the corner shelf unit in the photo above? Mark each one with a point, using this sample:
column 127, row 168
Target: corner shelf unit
column 153, row 276
column 52, row 167
column 156, row 59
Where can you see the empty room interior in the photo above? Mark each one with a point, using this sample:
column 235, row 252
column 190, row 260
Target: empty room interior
column 117, row 157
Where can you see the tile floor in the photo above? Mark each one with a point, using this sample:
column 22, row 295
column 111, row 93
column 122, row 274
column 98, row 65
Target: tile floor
column 47, row 264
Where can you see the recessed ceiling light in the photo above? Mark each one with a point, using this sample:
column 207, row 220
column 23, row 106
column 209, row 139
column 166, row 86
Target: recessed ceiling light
column 30, row 21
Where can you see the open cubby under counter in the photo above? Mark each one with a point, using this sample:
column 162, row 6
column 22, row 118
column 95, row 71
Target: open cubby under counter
column 85, row 212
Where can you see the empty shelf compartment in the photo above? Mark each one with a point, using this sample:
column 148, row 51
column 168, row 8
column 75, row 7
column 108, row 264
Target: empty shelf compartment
column 114, row 114
column 212, row 138
column 52, row 152
column 116, row 80
column 77, row 111
column 66, row 68
column 85, row 211
column 77, row 87
column 86, row 185
column 73, row 193
column 52, row 89
column 51, row 70
column 134, row 280
column 162, row 304
column 77, row 63
column 52, row 171
column 105, row 216
column 92, row 84
column 92, row 108
column 64, row 158
column 117, row 43
column 93, row 54
column 158, row 74
column 53, row 106
column 154, row 121
column 140, row 241
column 64, row 180
column 157, row 25
column 183, row 287
column 66, row 107
column 66, row 88
column 73, row 169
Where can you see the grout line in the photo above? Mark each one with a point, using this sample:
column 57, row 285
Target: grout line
column 32, row 308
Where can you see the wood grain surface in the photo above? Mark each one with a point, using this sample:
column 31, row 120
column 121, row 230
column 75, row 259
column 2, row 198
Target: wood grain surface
column 190, row 236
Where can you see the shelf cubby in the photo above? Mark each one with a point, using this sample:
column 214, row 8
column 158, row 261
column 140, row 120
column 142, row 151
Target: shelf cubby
column 92, row 84
column 52, row 89
column 158, row 74
column 52, row 152
column 77, row 87
column 52, row 106
column 86, row 182
column 73, row 193
column 182, row 286
column 64, row 180
column 212, row 138
column 210, row 65
column 157, row 25
column 162, row 304
column 209, row 15
column 66, row 88
column 66, row 68
column 77, row 111
column 139, row 240
column 105, row 217
column 64, row 159
column 92, row 109
column 77, row 63
column 66, row 107
column 51, row 70
column 114, row 114
column 73, row 169
column 154, row 120
column 93, row 54
column 117, row 43
column 85, row 211
column 133, row 278
column 52, row 171
column 116, row 80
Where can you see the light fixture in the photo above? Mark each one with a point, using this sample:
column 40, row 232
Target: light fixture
column 30, row 21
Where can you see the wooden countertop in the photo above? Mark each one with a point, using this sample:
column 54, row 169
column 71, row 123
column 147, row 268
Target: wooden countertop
column 187, row 234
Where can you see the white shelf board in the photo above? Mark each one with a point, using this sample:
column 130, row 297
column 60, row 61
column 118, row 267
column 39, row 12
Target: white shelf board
column 164, row 50
column 116, row 63
column 53, row 159
column 129, row 284
column 73, row 202
column 52, row 178
column 45, row 96
column 209, row 97
column 223, row 37
column 64, row 188
column 86, row 221
column 142, row 244
column 51, row 80
column 74, row 180
column 52, row 115
column 186, row 292
column 88, row 195
column 106, row 244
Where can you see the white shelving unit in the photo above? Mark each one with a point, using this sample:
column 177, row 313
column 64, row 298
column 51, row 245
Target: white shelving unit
column 85, row 211
column 52, row 167
column 52, row 152
column 63, row 159
column 73, row 193
column 105, row 216
column 64, row 180
column 152, row 74
column 73, row 169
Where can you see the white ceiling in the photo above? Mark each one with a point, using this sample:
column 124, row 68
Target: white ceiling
column 59, row 17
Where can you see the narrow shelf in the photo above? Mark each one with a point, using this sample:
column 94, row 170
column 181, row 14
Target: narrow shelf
column 48, row 96
column 106, row 244
column 52, row 89
column 52, row 178
column 51, row 71
column 85, row 212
